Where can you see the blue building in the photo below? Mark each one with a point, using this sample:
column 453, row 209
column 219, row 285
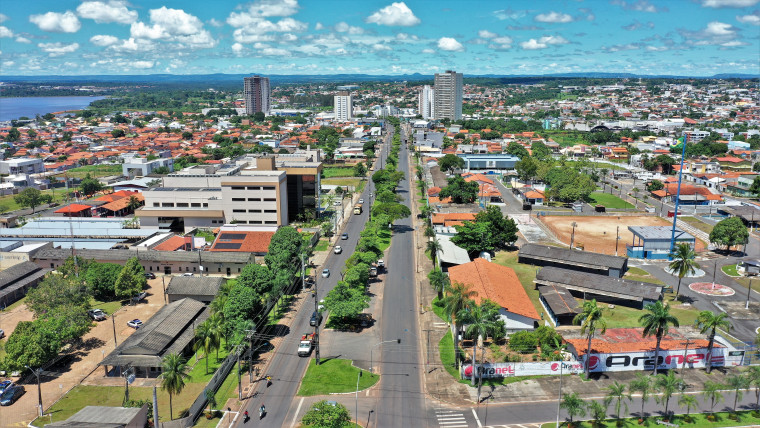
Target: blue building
column 489, row 161
column 653, row 242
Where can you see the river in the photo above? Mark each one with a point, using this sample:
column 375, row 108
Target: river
column 13, row 108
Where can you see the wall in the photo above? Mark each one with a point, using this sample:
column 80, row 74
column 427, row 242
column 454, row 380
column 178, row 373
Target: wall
column 515, row 322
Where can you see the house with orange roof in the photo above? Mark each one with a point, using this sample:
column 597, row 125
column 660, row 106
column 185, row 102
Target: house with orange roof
column 733, row 163
column 499, row 284
column 440, row 219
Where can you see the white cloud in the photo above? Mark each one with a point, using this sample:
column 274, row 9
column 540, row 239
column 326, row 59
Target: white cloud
column 275, row 52
column 554, row 18
column 733, row 44
column 450, row 44
column 133, row 45
column 639, row 6
column 8, row 63
column 381, row 47
column 428, row 51
column 343, row 27
column 143, row 64
column 174, row 25
column 729, row 3
column 656, row 48
column 58, row 48
column 20, row 39
column 5, row 31
column 237, row 47
column 533, row 44
column 319, row 26
column 553, row 40
column 485, row 34
column 104, row 40
column 396, row 14
column 105, row 12
column 274, row 8
column 3, row 17
column 719, row 29
column 214, row 23
column 65, row 22
column 716, row 33
column 749, row 19
column 504, row 14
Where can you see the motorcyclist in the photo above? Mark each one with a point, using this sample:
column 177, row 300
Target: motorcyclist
column 262, row 411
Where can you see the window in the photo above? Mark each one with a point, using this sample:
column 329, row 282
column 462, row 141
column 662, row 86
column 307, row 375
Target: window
column 268, row 188
column 270, row 199
column 238, row 270
column 218, row 269
column 167, row 204
column 254, row 188
column 205, row 205
column 254, row 211
column 151, row 268
column 270, row 211
column 52, row 266
column 238, row 188
column 195, row 205
column 255, row 222
column 238, row 199
column 238, row 211
column 270, row 222
column 253, row 199
column 193, row 268
column 181, row 204
column 156, row 204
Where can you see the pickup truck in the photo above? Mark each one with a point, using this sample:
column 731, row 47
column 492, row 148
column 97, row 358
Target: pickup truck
column 306, row 345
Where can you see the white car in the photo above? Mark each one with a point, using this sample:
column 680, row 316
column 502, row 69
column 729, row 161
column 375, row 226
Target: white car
column 135, row 323
column 361, row 201
column 325, row 273
column 338, row 249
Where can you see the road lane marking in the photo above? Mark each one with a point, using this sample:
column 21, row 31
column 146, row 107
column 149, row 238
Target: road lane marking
column 298, row 410
column 474, row 413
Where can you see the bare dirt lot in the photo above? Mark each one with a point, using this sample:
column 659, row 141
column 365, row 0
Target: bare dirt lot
column 57, row 380
column 597, row 234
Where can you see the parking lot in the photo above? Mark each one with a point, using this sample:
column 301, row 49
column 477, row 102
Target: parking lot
column 69, row 372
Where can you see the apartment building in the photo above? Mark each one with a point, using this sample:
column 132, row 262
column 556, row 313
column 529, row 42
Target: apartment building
column 426, row 102
column 343, row 106
column 448, row 96
column 257, row 95
column 135, row 167
column 17, row 166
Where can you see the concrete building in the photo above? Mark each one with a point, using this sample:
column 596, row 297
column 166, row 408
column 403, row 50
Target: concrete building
column 200, row 288
column 577, row 260
column 257, row 95
column 135, row 167
column 426, row 102
column 106, row 417
column 489, row 161
column 344, row 106
column 448, row 96
column 20, row 166
column 653, row 242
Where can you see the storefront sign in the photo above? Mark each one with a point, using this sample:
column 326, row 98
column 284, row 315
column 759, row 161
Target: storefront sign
column 497, row 370
column 625, row 361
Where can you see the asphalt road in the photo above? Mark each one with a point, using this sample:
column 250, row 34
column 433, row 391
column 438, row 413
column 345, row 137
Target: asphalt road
column 286, row 367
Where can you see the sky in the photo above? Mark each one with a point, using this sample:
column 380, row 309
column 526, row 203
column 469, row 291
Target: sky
column 475, row 37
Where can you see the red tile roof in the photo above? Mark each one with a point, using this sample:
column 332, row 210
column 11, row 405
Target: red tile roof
column 251, row 242
column 172, row 244
column 631, row 340
column 441, row 218
column 73, row 208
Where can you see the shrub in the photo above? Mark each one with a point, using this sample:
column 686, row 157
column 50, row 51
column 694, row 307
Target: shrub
column 524, row 342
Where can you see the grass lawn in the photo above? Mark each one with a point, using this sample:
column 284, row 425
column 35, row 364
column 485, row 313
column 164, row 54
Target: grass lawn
column 385, row 238
column 94, row 171
column 198, row 373
column 446, row 350
column 637, row 274
column 699, row 420
column 322, row 245
column 437, row 307
column 353, row 182
column 282, row 308
column 107, row 307
column 622, row 316
column 609, row 201
column 335, row 171
column 334, row 376
column 697, row 223
column 730, row 270
column 7, row 203
column 637, row 271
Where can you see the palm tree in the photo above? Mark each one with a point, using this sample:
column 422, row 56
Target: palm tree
column 708, row 323
column 667, row 386
column 479, row 326
column 711, row 391
column 175, row 370
column 439, row 281
column 206, row 339
column 217, row 329
column 753, row 374
column 133, row 203
column 590, row 320
column 643, row 385
column 683, row 263
column 689, row 402
column 459, row 297
column 573, row 405
column 617, row 394
column 597, row 411
column 434, row 247
column 429, row 232
column 211, row 398
column 656, row 323
column 738, row 382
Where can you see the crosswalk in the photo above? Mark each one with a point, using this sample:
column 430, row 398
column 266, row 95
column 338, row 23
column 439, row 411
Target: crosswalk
column 451, row 418
column 515, row 426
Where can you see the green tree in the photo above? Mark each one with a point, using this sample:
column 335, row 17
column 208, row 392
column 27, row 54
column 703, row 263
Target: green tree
column 206, row 338
column 517, row 149
column 526, row 168
column 458, row 297
column 739, row 383
column 478, row 326
column 55, row 292
column 590, row 319
column 729, row 232
column 258, row 277
column 657, row 322
column 284, row 248
column 667, row 385
column 90, row 185
column 393, row 210
column 360, row 170
column 708, row 323
column 450, row 163
column 643, row 385
column 345, row 302
column 187, row 135
column 118, row 133
column 755, row 187
column 503, row 228
column 573, row 405
column 13, row 134
column 753, row 374
column 210, row 399
column 32, row 198
column 242, row 304
column 460, row 191
column 439, row 281
column 540, row 151
column 131, row 280
column 683, row 263
column 433, row 247
column 324, row 414
column 655, row 185
column 712, row 391
column 174, row 372
column 689, row 402
column 101, row 280
column 598, row 413
column 616, row 393
column 32, row 343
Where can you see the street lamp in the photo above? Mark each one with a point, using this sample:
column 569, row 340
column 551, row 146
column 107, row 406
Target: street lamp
column 373, row 348
column 37, row 373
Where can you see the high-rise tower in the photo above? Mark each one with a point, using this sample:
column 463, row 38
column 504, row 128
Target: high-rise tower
column 448, row 95
column 257, row 95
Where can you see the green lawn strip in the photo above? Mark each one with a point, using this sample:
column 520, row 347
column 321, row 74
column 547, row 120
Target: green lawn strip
column 437, row 307
column 333, row 376
column 15, row 304
column 342, row 181
column 206, row 235
column 647, row 278
column 730, row 270
column 95, row 171
column 385, row 238
column 697, row 223
column 621, row 316
column 360, row 186
column 281, row 309
column 107, row 307
column 7, row 203
column 322, row 245
column 198, row 364
column 637, row 271
column 699, row 420
column 609, row 201
column 446, row 350
column 745, row 282
column 334, row 171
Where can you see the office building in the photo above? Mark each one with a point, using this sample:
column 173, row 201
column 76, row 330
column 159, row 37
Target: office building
column 426, row 103
column 343, row 106
column 257, row 95
column 448, row 96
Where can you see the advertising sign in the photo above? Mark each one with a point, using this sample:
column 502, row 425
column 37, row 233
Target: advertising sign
column 667, row 359
column 497, row 370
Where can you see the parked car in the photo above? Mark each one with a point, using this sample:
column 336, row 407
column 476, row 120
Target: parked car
column 316, row 319
column 11, row 394
column 381, row 263
column 344, row 236
column 338, row 249
column 2, row 333
column 150, row 275
column 187, row 274
column 97, row 314
column 140, row 297
column 4, row 385
column 325, row 273
column 135, row 323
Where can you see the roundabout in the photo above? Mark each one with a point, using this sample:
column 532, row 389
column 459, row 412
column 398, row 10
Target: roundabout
column 711, row 289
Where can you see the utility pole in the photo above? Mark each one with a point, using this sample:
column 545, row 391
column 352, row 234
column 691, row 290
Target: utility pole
column 316, row 325
column 685, row 356
column 749, row 290
column 113, row 321
column 356, row 415
column 303, row 283
column 559, row 398
column 572, row 236
column 617, row 239
column 37, row 373
column 240, row 382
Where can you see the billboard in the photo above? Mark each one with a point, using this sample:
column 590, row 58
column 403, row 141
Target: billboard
column 667, row 359
column 498, row 370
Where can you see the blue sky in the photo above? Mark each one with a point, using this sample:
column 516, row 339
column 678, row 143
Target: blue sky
column 684, row 37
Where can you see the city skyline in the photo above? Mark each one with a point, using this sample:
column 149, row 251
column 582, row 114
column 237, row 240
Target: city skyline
column 684, row 37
